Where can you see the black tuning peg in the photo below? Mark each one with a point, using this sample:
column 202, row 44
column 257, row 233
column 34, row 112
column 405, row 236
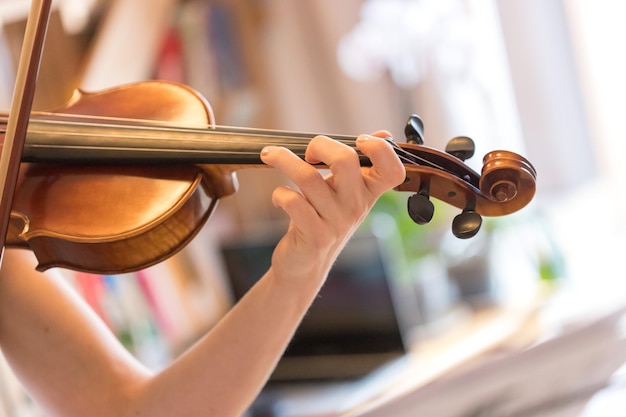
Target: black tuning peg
column 466, row 224
column 420, row 208
column 461, row 147
column 414, row 130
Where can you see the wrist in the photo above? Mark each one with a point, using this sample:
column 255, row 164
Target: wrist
column 297, row 283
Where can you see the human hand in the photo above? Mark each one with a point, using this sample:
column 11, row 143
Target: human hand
column 325, row 211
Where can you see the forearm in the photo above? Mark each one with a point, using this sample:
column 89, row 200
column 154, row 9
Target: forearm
column 59, row 348
column 223, row 373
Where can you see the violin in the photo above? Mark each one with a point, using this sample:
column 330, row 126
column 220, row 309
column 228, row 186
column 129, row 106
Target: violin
column 119, row 180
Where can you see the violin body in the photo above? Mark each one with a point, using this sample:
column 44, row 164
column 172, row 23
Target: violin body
column 119, row 180
column 117, row 218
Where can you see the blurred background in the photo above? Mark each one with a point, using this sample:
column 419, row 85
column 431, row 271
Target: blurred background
column 541, row 78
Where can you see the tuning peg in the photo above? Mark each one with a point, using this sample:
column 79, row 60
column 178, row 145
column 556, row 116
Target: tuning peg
column 466, row 224
column 461, row 147
column 420, row 208
column 414, row 130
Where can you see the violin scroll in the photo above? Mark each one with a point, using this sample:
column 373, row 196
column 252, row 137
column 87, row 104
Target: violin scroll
column 506, row 185
column 504, row 174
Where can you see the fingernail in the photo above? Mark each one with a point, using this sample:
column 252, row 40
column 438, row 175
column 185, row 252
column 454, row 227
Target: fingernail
column 266, row 150
column 362, row 138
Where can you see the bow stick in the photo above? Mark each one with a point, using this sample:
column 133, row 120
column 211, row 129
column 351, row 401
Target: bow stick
column 21, row 105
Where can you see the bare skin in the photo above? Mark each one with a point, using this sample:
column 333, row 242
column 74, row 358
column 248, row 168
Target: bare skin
column 73, row 365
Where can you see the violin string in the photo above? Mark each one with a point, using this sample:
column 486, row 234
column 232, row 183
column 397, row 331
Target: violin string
column 166, row 127
column 405, row 156
column 108, row 121
column 270, row 134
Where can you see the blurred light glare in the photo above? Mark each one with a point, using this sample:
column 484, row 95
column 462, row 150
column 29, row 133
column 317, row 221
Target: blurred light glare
column 402, row 37
column 75, row 14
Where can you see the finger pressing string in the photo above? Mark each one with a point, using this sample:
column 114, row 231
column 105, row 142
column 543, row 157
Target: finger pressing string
column 387, row 171
column 341, row 159
column 306, row 177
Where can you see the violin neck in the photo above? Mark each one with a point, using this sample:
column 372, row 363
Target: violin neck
column 51, row 141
